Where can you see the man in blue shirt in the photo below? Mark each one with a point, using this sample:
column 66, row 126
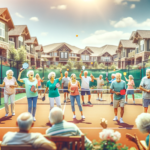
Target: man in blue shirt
column 113, row 76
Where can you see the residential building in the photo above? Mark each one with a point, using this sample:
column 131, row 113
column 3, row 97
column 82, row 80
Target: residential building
column 39, row 50
column 6, row 24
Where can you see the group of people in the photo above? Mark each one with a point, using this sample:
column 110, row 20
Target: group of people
column 72, row 86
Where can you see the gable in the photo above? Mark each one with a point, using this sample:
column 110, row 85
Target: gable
column 85, row 52
column 64, row 48
column 106, row 55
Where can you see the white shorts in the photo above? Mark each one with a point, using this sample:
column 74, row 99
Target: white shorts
column 57, row 99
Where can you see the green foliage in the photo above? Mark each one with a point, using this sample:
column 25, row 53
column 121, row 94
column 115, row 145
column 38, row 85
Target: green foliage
column 33, row 67
column 55, row 67
column 78, row 65
column 59, row 65
column 129, row 67
column 86, row 65
column 69, row 64
column 135, row 67
column 147, row 64
column 101, row 66
column 13, row 54
column 113, row 66
column 95, row 65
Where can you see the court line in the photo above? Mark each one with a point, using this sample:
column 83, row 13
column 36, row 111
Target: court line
column 64, row 108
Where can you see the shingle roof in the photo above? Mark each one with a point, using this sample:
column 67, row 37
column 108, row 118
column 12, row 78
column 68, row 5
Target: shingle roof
column 8, row 16
column 31, row 41
column 18, row 30
column 144, row 33
column 128, row 43
column 39, row 47
column 132, row 35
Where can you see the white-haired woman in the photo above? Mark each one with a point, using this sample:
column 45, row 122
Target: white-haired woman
column 31, row 96
column 73, row 86
column 130, row 88
column 10, row 84
column 100, row 84
column 39, row 80
column 53, row 90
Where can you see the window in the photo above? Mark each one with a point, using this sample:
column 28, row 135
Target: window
column 73, row 54
column 95, row 58
column 2, row 30
column 55, row 54
column 66, row 55
column 87, row 57
column 142, row 45
column 91, row 58
column 62, row 55
column 20, row 41
column 105, row 58
column 69, row 54
column 83, row 57
column 11, row 39
column 31, row 46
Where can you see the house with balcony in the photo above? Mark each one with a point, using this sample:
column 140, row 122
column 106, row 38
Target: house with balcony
column 39, row 51
column 142, row 40
column 18, row 36
column 32, row 55
column 126, row 53
column 6, row 24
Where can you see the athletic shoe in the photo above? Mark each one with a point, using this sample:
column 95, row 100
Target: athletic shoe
column 89, row 103
column 74, row 116
column 115, row 119
column 34, row 119
column 83, row 103
column 6, row 115
column 111, row 103
column 133, row 102
column 64, row 101
column 68, row 98
column 126, row 102
column 97, row 99
column 82, row 117
column 13, row 114
column 100, row 99
column 121, row 120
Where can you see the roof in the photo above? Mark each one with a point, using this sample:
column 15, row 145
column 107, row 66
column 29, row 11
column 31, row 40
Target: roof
column 145, row 34
column 128, row 44
column 5, row 16
column 132, row 35
column 39, row 48
column 56, row 46
column 33, row 40
column 19, row 30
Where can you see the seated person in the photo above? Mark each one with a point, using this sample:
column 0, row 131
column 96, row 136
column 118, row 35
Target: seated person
column 143, row 124
column 61, row 127
column 23, row 137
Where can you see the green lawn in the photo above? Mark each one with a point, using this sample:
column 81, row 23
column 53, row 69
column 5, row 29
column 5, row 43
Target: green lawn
column 17, row 97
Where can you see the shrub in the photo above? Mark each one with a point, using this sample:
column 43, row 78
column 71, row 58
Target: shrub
column 135, row 67
column 33, row 67
column 95, row 65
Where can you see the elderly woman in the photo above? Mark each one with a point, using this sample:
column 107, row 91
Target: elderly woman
column 130, row 88
column 31, row 96
column 9, row 83
column 39, row 80
column 73, row 86
column 143, row 124
column 53, row 90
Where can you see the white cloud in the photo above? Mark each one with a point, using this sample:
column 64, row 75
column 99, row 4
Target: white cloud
column 118, row 1
column 103, row 37
column 34, row 19
column 53, row 7
column 83, row 31
column 134, row 0
column 18, row 15
column 132, row 6
column 124, row 3
column 44, row 33
column 62, row 7
column 130, row 22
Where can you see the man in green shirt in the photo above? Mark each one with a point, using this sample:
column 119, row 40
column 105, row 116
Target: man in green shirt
column 116, row 87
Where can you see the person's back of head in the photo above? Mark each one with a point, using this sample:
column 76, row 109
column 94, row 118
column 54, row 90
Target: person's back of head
column 25, row 121
column 56, row 115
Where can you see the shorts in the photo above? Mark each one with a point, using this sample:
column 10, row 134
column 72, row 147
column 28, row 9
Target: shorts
column 66, row 90
column 39, row 87
column 86, row 91
column 116, row 103
column 146, row 102
column 100, row 90
column 130, row 92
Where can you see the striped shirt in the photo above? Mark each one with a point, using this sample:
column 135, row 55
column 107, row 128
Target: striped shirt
column 65, row 128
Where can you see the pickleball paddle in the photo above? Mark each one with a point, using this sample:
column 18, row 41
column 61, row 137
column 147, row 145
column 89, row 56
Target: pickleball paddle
column 57, row 86
column 32, row 88
column 43, row 98
column 123, row 92
column 24, row 66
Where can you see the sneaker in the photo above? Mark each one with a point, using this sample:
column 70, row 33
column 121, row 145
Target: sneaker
column 74, row 116
column 6, row 115
column 89, row 103
column 13, row 114
column 100, row 99
column 68, row 98
column 83, row 103
column 34, row 119
column 97, row 99
column 133, row 102
column 115, row 119
column 82, row 117
column 121, row 120
column 64, row 101
column 126, row 102
column 111, row 103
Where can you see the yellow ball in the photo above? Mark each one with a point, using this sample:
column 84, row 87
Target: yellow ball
column 91, row 63
column 114, row 70
column 67, row 69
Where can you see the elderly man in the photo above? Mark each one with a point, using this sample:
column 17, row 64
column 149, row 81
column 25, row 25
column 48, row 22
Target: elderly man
column 113, row 76
column 65, row 81
column 23, row 137
column 145, row 87
column 116, row 87
column 61, row 127
column 85, row 88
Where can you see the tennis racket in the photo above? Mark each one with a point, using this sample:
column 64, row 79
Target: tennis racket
column 57, row 86
column 123, row 92
column 32, row 88
column 24, row 66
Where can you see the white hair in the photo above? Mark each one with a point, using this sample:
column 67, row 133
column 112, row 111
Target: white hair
column 148, row 70
column 31, row 71
column 50, row 75
column 8, row 71
column 143, row 122
column 118, row 74
column 100, row 75
column 25, row 124
column 37, row 74
column 66, row 71
column 113, row 75
column 56, row 115
column 86, row 71
column 131, row 76
column 73, row 74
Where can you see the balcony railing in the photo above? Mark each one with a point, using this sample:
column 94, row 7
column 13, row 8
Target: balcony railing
column 11, row 44
column 131, row 54
column 27, row 48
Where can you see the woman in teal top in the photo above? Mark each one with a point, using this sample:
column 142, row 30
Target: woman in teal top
column 53, row 91
column 31, row 96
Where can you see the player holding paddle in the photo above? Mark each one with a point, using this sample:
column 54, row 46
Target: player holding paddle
column 53, row 85
column 73, row 86
column 118, row 88
column 31, row 86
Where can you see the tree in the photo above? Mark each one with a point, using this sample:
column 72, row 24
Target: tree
column 79, row 64
column 95, row 65
column 69, row 64
column 13, row 54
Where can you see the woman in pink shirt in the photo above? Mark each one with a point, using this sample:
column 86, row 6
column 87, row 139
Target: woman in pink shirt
column 10, row 84
column 73, row 86
column 37, row 76
column 130, row 88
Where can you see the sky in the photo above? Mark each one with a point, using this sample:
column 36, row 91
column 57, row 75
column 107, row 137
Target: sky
column 96, row 22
